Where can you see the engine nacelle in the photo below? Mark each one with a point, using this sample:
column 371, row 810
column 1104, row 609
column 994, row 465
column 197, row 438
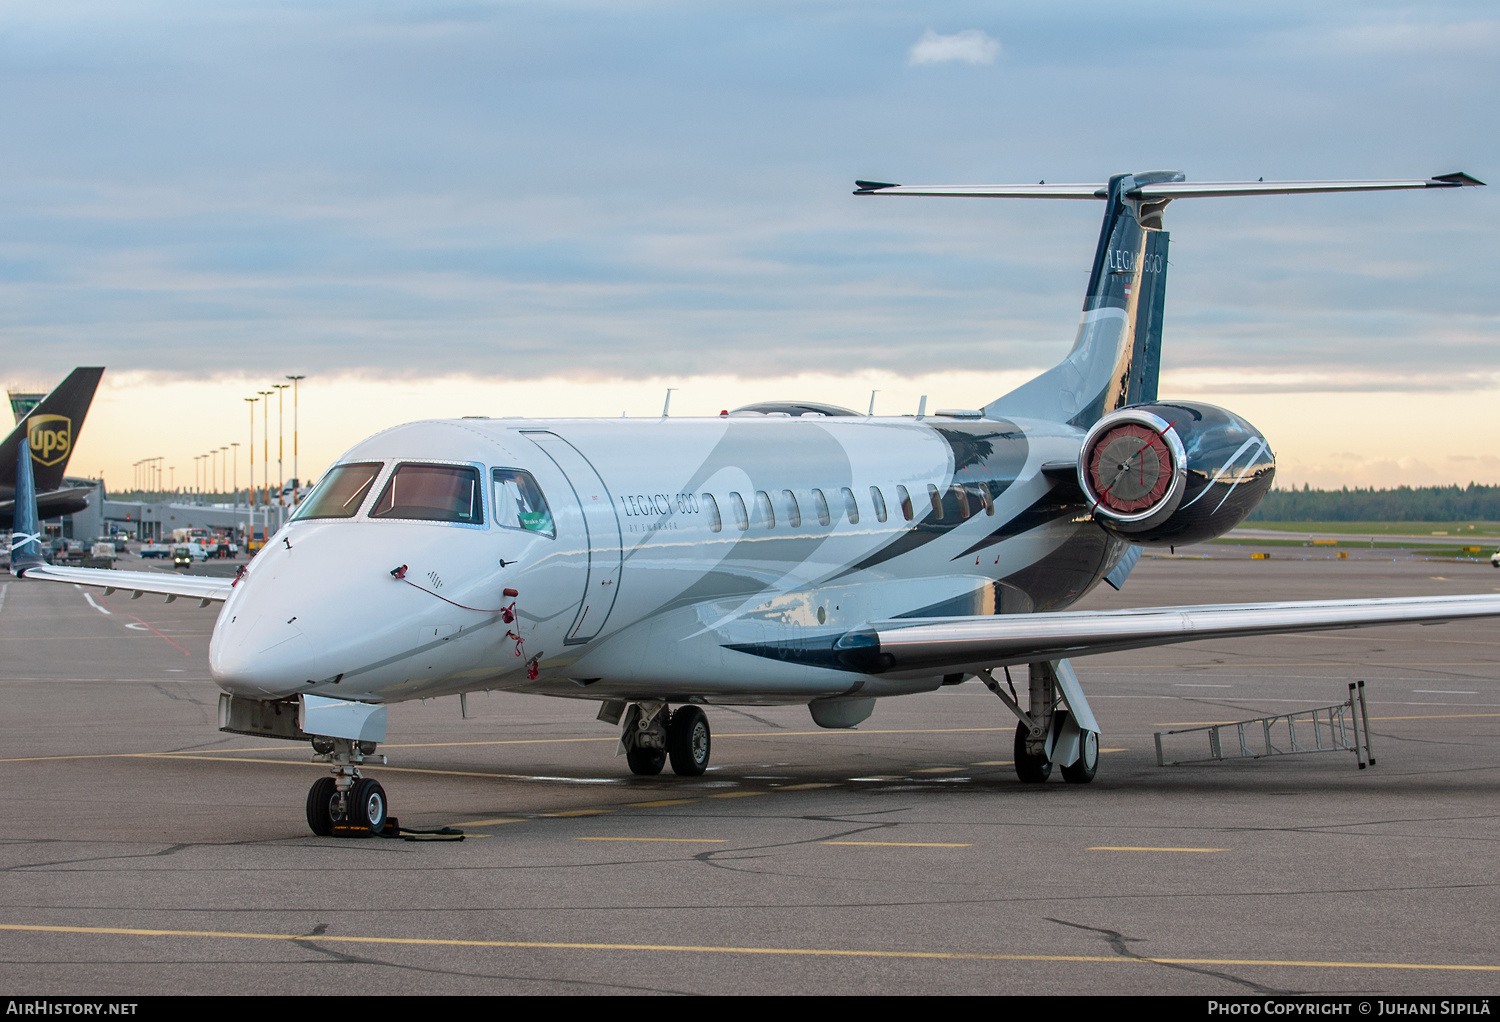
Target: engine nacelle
column 1178, row 472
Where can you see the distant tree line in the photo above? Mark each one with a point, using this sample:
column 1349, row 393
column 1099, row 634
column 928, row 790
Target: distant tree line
column 1403, row 504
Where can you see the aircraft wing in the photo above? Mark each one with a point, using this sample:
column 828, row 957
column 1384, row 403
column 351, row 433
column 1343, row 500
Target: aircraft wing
column 202, row 588
column 967, row 644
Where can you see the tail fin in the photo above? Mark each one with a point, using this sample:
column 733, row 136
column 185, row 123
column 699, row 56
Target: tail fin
column 1116, row 356
column 26, row 533
column 51, row 429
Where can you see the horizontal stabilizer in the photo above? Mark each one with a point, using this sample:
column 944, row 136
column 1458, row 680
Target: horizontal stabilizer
column 53, row 498
column 944, row 645
column 1170, row 189
column 192, row 587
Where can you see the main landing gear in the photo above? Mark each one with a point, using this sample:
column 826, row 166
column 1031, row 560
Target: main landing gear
column 346, row 804
column 652, row 733
column 1056, row 728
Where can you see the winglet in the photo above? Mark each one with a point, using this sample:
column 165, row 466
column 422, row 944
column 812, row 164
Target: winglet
column 26, row 532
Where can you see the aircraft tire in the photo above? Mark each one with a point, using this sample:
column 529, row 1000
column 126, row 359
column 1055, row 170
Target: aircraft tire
column 318, row 816
column 645, row 762
column 689, row 741
column 367, row 805
column 1083, row 771
column 1030, row 769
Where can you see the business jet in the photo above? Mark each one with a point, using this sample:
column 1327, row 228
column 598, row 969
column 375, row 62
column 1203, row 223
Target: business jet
column 781, row 553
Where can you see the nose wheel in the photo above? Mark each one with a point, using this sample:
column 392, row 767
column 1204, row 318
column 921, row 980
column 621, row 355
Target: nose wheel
column 320, row 807
column 346, row 804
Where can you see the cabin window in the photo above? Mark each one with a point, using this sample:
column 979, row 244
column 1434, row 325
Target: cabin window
column 519, row 503
column 432, row 493
column 878, row 499
column 904, row 499
column 340, row 492
column 961, row 500
column 737, row 505
column 851, row 507
column 711, row 506
column 765, row 515
column 820, row 505
column 936, row 500
column 793, row 512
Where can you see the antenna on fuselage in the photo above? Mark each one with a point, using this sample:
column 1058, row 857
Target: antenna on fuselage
column 922, row 407
column 667, row 403
column 871, row 412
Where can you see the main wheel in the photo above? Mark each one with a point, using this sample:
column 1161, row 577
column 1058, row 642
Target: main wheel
column 645, row 762
column 367, row 805
column 1030, row 769
column 1083, row 771
column 689, row 741
column 318, row 797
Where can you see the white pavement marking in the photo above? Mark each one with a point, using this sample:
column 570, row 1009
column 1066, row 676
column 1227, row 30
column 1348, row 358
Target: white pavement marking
column 90, row 597
column 2, row 595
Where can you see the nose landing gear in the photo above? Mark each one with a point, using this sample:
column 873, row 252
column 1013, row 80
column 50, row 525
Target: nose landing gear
column 346, row 804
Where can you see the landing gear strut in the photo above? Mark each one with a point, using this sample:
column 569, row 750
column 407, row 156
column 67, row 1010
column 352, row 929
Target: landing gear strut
column 1056, row 727
column 651, row 734
column 346, row 803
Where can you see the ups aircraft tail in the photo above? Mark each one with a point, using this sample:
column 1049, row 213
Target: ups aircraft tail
column 1116, row 356
column 52, row 428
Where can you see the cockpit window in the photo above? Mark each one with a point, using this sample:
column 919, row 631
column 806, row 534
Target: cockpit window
column 432, row 493
column 519, row 503
column 340, row 492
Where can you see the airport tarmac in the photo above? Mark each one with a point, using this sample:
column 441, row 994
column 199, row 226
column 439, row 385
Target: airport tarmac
column 147, row 853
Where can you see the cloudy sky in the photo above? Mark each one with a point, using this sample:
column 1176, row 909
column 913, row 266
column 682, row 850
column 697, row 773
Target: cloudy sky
column 565, row 208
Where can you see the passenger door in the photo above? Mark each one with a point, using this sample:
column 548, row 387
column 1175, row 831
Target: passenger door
column 602, row 579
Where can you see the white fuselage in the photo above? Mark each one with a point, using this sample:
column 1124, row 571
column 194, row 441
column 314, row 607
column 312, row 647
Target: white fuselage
column 653, row 586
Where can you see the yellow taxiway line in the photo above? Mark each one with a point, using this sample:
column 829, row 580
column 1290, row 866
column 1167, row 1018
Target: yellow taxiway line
column 1208, row 723
column 1135, row 848
column 670, row 840
column 898, row 844
column 292, row 746
column 122, row 931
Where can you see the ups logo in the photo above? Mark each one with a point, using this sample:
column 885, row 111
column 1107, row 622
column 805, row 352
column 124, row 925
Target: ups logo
column 51, row 438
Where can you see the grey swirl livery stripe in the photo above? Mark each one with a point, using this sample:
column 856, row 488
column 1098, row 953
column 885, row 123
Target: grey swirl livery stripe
column 987, row 456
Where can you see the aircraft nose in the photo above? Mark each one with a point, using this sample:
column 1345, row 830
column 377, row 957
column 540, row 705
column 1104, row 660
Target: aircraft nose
column 264, row 654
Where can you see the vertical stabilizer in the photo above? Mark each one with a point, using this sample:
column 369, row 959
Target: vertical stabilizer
column 1116, row 356
column 51, row 429
column 26, row 533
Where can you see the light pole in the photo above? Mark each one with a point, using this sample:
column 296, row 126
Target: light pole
column 295, row 474
column 250, row 485
column 197, row 463
column 265, row 463
column 280, row 441
column 224, row 469
column 236, row 447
